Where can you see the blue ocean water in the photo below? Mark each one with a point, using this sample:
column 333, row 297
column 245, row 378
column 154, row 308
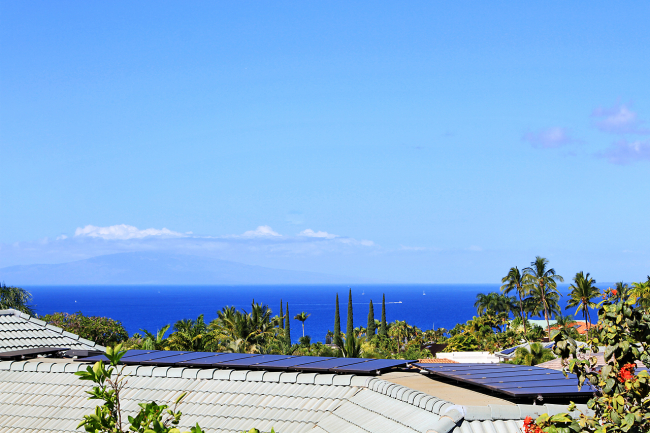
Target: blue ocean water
column 152, row 307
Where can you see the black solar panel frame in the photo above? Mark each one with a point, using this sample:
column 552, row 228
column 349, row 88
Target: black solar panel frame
column 372, row 366
column 290, row 364
column 129, row 353
column 323, row 367
column 30, row 353
column 148, row 358
column 254, row 362
column 174, row 359
column 198, row 362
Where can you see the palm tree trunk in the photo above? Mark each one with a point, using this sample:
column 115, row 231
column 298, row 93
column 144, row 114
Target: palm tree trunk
column 588, row 317
column 303, row 329
column 521, row 309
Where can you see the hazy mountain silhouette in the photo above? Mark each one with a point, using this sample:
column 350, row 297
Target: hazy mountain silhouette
column 160, row 268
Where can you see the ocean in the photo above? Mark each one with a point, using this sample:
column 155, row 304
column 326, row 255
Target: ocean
column 139, row 307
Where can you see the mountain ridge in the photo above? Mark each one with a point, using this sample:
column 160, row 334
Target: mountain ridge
column 160, row 268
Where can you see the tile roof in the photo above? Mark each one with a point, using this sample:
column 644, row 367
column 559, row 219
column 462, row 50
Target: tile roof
column 22, row 331
column 45, row 395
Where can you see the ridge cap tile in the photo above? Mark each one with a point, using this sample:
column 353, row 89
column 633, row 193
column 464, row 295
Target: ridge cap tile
column 239, row 375
column 159, row 371
column 145, row 370
column 500, row 412
column 342, row 380
column 176, row 372
column 37, row 321
column 218, row 374
column 477, row 413
column 44, row 367
column 271, row 376
column 324, row 379
column 306, row 378
column 54, row 328
column 288, row 377
column 70, row 335
column 256, row 376
column 18, row 365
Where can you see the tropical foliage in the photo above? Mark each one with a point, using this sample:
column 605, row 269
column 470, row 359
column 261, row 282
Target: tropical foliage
column 621, row 403
column 532, row 355
column 16, row 298
column 109, row 417
column 583, row 291
column 541, row 281
column 101, row 330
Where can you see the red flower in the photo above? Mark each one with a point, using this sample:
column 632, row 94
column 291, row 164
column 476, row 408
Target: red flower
column 531, row 427
column 626, row 373
column 614, row 292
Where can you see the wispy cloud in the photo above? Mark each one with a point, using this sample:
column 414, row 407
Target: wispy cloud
column 626, row 152
column 121, row 231
column 549, row 138
column 619, row 119
column 261, row 232
column 319, row 234
column 258, row 245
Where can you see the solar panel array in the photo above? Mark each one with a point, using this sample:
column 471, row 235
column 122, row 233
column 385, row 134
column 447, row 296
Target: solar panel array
column 513, row 380
column 248, row 361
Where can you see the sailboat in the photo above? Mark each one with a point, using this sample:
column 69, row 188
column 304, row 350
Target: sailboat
column 423, row 294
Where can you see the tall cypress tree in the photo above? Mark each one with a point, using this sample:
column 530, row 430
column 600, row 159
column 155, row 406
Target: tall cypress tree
column 287, row 326
column 382, row 328
column 370, row 329
column 350, row 329
column 281, row 315
column 337, row 320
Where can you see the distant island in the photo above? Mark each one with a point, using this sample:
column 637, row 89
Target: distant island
column 162, row 268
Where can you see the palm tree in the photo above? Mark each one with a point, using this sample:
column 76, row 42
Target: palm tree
column 302, row 318
column 543, row 282
column 154, row 341
column 535, row 354
column 492, row 302
column 16, row 298
column 515, row 281
column 188, row 335
column 641, row 291
column 582, row 293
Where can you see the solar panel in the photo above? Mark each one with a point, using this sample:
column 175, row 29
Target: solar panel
column 212, row 361
column 509, row 351
column 292, row 362
column 328, row 364
column 174, row 359
column 145, row 357
column 374, row 366
column 129, row 353
column 250, row 362
column 15, row 355
column 513, row 380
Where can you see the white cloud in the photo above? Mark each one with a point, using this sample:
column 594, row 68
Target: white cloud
column 475, row 248
column 618, row 120
column 261, row 232
column 122, row 231
column 624, row 152
column 62, row 237
column 319, row 234
column 549, row 138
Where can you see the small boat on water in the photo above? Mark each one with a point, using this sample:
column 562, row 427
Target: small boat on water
column 423, row 294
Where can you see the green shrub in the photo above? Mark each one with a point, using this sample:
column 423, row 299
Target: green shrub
column 101, row 330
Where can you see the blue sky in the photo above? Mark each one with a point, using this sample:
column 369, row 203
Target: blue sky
column 425, row 142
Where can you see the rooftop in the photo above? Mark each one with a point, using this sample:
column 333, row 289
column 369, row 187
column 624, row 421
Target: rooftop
column 19, row 331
